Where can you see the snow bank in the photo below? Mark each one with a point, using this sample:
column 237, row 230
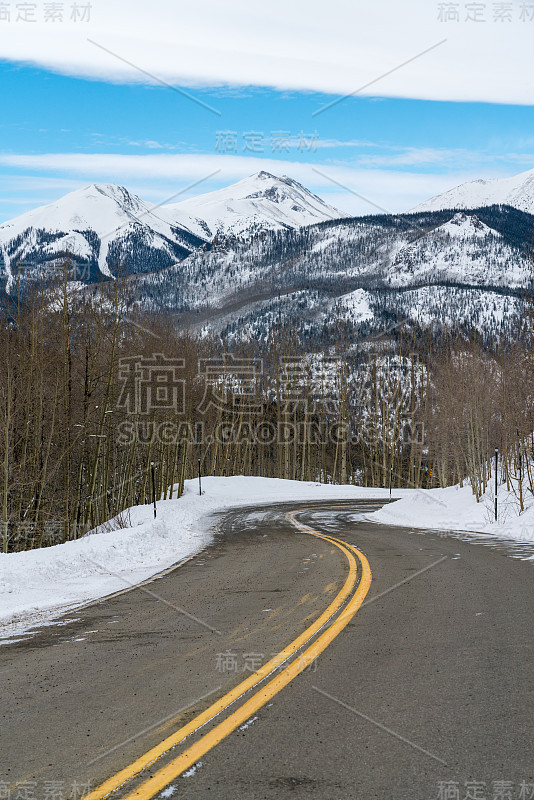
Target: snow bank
column 456, row 509
column 38, row 585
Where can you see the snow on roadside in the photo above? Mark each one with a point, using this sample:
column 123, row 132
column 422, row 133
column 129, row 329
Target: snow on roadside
column 37, row 586
column 456, row 509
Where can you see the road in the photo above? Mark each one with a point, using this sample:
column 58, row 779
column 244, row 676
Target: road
column 424, row 686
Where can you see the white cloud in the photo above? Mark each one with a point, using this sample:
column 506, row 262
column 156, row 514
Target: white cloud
column 362, row 191
column 301, row 45
column 484, row 164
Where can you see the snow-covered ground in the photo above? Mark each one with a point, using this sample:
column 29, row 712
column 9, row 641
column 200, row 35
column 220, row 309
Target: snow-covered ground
column 455, row 509
column 37, row 586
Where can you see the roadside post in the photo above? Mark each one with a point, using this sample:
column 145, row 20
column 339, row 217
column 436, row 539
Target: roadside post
column 496, row 466
column 153, row 487
column 199, row 478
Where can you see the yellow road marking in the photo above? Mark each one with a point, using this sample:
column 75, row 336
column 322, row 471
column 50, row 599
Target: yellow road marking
column 191, row 652
column 237, row 630
column 257, row 629
column 162, row 777
column 191, row 755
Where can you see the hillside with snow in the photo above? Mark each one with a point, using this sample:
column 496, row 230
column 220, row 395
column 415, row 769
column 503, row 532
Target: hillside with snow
column 434, row 269
column 463, row 250
column 516, row 191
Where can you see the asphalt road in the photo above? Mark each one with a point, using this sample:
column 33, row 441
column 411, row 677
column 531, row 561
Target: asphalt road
column 428, row 688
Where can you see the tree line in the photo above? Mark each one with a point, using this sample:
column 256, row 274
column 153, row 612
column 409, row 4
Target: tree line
column 91, row 396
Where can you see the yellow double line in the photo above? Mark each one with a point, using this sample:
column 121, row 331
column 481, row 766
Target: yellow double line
column 160, row 779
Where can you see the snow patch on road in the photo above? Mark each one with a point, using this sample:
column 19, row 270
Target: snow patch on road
column 246, row 725
column 192, row 770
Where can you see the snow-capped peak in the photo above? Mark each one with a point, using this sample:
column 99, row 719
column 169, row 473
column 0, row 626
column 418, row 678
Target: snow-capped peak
column 516, row 191
column 99, row 207
column 113, row 191
column 87, row 223
column 260, row 202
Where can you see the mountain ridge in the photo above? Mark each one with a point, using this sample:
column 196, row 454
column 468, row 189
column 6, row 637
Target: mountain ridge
column 100, row 227
column 279, row 241
column 516, row 191
column 105, row 229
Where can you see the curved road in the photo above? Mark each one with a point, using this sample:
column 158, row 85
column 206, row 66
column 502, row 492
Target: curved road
column 424, row 689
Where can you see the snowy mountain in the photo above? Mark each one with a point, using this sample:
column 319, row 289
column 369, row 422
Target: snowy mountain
column 367, row 271
column 370, row 312
column 266, row 250
column 103, row 227
column 258, row 203
column 464, row 251
column 106, row 230
column 378, row 252
column 517, row 191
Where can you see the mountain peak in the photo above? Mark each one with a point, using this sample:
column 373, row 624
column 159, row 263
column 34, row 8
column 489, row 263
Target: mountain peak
column 516, row 191
column 263, row 176
column 114, row 191
column 260, row 202
column 92, row 222
column 103, row 188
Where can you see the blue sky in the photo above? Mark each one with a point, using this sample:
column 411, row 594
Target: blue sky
column 61, row 130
